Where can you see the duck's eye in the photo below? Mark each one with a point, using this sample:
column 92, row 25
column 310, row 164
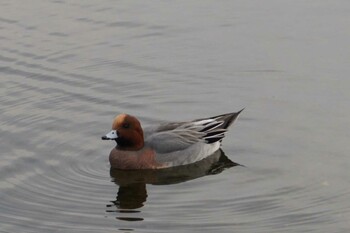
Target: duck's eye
column 126, row 125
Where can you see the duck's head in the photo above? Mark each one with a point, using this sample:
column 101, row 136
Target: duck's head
column 127, row 132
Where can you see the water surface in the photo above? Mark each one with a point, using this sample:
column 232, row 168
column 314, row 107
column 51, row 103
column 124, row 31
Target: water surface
column 68, row 67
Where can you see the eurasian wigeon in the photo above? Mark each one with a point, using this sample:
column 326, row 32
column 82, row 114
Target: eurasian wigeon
column 167, row 144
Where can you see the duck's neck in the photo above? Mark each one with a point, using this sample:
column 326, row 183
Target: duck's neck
column 123, row 144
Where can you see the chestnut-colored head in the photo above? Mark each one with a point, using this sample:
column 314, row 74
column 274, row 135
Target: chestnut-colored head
column 127, row 132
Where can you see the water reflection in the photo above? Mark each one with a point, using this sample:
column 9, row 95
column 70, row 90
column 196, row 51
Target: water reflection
column 132, row 193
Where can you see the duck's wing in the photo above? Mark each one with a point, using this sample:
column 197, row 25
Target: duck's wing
column 180, row 138
column 172, row 137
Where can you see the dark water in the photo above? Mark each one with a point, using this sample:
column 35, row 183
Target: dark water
column 68, row 67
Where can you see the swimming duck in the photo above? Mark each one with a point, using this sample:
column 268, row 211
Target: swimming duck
column 166, row 144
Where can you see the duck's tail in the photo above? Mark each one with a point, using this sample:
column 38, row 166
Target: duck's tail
column 215, row 130
column 228, row 118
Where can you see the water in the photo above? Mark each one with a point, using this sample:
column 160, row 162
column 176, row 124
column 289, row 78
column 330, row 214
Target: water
column 68, row 67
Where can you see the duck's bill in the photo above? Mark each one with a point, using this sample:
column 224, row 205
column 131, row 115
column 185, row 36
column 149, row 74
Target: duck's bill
column 110, row 136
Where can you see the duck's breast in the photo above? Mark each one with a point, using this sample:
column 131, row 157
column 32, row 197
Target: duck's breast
column 141, row 159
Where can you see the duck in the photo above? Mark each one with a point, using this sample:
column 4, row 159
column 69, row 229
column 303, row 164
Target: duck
column 165, row 145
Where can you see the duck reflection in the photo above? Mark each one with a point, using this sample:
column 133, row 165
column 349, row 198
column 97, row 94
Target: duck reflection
column 132, row 193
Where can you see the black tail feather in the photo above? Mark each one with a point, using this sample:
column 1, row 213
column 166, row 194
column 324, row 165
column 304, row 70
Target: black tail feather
column 228, row 118
column 215, row 132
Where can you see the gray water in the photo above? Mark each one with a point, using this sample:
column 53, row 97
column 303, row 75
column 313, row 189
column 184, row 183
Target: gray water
column 68, row 67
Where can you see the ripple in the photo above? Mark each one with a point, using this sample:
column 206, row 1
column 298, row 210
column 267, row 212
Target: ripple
column 39, row 76
column 58, row 34
column 9, row 21
column 53, row 190
column 6, row 59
